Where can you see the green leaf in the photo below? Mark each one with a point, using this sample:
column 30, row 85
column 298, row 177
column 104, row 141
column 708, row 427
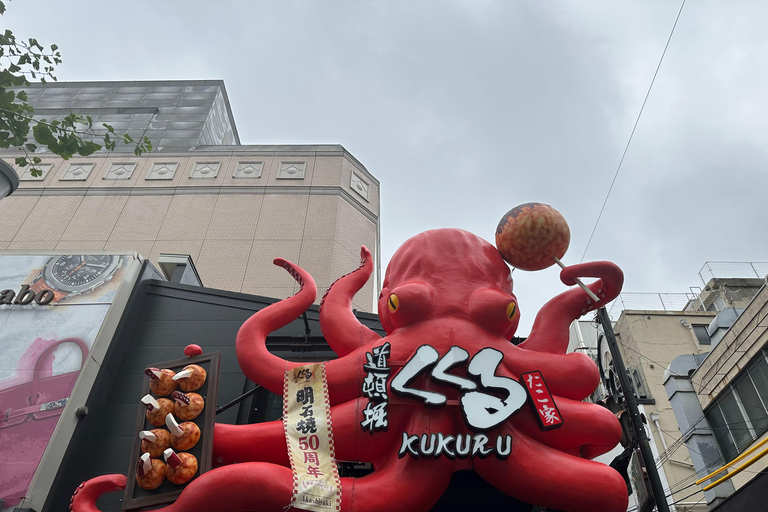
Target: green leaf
column 109, row 142
column 21, row 161
column 88, row 148
column 127, row 139
column 43, row 135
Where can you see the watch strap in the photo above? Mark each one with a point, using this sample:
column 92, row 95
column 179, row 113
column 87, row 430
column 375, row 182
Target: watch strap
column 39, row 285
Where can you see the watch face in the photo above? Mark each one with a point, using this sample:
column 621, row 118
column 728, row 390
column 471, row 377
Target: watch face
column 79, row 273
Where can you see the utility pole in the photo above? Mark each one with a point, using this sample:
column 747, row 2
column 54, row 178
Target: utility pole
column 634, row 413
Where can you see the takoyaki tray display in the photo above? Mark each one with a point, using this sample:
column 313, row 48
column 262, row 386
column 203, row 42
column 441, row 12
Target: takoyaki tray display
column 173, row 440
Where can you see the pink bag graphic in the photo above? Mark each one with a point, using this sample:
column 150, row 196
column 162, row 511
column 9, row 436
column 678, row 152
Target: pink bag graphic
column 28, row 415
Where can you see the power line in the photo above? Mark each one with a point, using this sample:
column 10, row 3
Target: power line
column 626, row 148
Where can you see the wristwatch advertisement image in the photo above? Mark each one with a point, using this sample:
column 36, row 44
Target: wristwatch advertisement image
column 69, row 276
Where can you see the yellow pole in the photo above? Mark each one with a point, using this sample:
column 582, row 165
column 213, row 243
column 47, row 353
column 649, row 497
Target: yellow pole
column 739, row 470
column 734, row 461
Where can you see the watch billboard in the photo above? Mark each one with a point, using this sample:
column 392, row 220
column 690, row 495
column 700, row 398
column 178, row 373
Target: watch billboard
column 52, row 309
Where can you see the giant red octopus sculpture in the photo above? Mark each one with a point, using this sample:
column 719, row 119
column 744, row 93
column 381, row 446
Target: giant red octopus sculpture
column 451, row 288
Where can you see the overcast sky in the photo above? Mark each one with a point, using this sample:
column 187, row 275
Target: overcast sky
column 465, row 109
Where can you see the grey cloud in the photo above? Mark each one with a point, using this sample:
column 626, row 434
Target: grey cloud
column 465, row 109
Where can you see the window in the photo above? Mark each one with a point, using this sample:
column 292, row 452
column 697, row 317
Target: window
column 722, row 434
column 701, row 334
column 740, row 414
column 639, row 386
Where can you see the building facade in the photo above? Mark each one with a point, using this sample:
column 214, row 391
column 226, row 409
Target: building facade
column 731, row 385
column 653, row 331
column 233, row 208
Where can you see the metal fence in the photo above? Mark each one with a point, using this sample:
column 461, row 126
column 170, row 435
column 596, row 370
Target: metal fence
column 649, row 302
column 679, row 301
column 733, row 269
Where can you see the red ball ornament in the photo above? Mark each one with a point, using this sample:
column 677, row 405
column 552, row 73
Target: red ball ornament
column 530, row 236
column 192, row 350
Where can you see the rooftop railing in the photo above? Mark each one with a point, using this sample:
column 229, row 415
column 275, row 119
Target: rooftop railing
column 733, row 269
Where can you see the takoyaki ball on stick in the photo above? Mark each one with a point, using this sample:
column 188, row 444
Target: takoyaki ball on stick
column 180, row 468
column 161, row 382
column 155, row 442
column 150, row 473
column 191, row 378
column 184, row 436
column 157, row 410
column 187, row 406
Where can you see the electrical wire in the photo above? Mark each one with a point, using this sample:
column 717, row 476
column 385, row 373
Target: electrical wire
column 626, row 148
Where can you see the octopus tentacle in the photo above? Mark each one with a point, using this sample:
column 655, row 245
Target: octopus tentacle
column 84, row 498
column 237, row 488
column 405, row 485
column 265, row 442
column 588, row 430
column 538, row 470
column 265, row 368
column 256, row 442
column 343, row 331
column 233, row 488
column 258, row 363
column 550, row 329
column 573, row 375
column 401, row 485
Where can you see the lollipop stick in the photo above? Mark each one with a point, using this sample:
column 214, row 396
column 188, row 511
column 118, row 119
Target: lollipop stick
column 578, row 281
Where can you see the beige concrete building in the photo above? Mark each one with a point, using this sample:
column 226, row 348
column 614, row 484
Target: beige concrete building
column 650, row 341
column 233, row 208
column 652, row 331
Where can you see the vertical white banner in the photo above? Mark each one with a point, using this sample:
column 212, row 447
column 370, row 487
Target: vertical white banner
column 309, row 436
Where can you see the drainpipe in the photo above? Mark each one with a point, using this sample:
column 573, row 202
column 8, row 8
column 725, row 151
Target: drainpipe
column 655, row 420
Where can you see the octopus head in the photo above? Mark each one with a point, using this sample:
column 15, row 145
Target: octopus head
column 448, row 273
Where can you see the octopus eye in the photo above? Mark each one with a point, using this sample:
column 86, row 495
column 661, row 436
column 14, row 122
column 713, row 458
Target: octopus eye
column 393, row 303
column 511, row 311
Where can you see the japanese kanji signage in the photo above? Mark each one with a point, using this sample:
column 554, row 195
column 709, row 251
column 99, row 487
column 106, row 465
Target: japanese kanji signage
column 375, row 389
column 482, row 409
column 307, row 424
column 541, row 399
